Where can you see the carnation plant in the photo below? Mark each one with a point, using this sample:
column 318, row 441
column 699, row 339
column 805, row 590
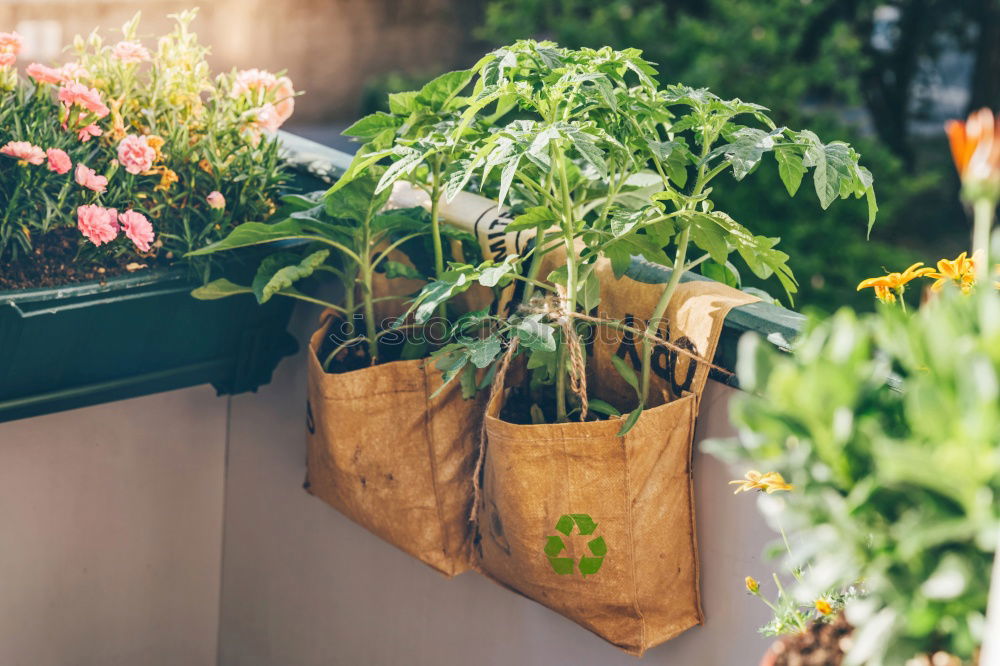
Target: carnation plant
column 139, row 148
column 602, row 162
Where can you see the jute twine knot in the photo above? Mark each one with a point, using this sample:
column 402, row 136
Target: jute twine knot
column 497, row 386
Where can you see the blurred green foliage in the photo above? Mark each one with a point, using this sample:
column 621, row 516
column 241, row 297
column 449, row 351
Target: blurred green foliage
column 812, row 63
column 893, row 487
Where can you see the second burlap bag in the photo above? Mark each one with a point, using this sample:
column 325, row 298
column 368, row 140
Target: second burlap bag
column 392, row 458
column 596, row 526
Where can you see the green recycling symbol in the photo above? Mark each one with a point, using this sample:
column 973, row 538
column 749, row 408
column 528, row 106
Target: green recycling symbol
column 589, row 564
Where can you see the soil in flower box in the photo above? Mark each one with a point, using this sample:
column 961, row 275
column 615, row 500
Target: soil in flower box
column 53, row 262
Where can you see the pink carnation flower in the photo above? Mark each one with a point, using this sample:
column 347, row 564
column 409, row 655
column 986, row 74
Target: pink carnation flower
column 88, row 178
column 253, row 81
column 58, row 161
column 73, row 71
column 11, row 42
column 84, row 133
column 284, row 95
column 215, row 200
column 138, row 229
column 262, row 87
column 24, row 151
column 7, row 59
column 43, row 74
column 130, row 52
column 135, row 154
column 99, row 225
column 267, row 118
column 73, row 92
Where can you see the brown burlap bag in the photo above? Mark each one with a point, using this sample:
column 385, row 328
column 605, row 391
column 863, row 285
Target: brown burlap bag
column 636, row 488
column 393, row 459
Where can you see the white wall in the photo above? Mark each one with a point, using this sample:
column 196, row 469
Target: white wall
column 110, row 533
column 303, row 586
column 111, row 536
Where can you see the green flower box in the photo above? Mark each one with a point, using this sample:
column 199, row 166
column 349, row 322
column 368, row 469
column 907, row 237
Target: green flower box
column 131, row 335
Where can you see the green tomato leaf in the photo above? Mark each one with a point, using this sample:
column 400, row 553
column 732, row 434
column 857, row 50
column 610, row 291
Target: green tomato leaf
column 590, row 292
column 747, row 146
column 280, row 271
column 433, row 294
column 396, row 269
column 632, row 419
column 620, row 257
column 709, row 236
column 790, row 168
column 536, row 216
column 833, row 165
column 403, row 103
column 601, row 407
column 450, row 360
column 255, row 233
column 409, row 159
column 535, row 335
column 371, row 126
column 221, row 288
column 357, row 198
column 438, row 92
column 483, row 352
column 626, row 371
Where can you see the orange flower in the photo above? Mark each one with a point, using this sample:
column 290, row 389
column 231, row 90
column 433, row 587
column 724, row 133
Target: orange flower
column 961, row 271
column 156, row 143
column 823, row 607
column 887, row 286
column 167, row 177
column 975, row 146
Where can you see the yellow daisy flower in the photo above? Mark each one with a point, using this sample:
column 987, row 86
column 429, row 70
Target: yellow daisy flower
column 771, row 482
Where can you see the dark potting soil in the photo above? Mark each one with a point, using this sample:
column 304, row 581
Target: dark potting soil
column 820, row 645
column 355, row 356
column 522, row 408
column 53, row 262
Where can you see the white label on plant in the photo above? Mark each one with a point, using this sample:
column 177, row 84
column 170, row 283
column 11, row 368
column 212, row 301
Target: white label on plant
column 473, row 213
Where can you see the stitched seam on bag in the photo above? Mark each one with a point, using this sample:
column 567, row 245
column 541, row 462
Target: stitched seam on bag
column 696, row 582
column 434, row 478
column 493, row 435
column 631, row 547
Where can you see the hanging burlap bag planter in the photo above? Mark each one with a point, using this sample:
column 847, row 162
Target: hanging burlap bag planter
column 596, row 526
column 393, row 459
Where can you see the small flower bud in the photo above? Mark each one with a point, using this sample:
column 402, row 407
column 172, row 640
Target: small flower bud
column 216, row 201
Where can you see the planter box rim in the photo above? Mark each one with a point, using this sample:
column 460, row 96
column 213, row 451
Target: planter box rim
column 114, row 283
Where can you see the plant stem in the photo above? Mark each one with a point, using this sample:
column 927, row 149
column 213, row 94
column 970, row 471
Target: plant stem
column 436, row 229
column 436, row 219
column 679, row 266
column 982, row 211
column 535, row 266
column 366, row 270
column 370, row 332
column 652, row 326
